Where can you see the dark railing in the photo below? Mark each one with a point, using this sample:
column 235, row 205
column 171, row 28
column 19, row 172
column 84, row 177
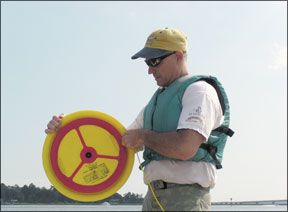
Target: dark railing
column 261, row 202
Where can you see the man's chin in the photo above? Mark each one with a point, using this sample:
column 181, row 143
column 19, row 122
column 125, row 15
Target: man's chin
column 158, row 82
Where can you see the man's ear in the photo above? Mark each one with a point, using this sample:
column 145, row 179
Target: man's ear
column 179, row 55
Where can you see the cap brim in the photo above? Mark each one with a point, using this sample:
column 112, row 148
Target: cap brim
column 149, row 53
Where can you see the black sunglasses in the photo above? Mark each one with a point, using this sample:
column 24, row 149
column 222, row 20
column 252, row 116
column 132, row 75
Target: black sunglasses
column 156, row 61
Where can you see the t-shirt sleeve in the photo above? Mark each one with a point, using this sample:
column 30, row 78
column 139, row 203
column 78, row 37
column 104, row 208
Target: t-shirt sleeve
column 201, row 109
column 138, row 123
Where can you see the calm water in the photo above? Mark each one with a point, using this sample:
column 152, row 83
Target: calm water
column 131, row 208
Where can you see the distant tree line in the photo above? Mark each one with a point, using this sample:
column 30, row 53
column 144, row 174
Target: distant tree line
column 32, row 194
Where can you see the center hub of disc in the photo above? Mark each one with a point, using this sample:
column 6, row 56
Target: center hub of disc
column 88, row 155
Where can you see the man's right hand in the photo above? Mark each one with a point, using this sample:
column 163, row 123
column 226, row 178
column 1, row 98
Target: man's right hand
column 55, row 124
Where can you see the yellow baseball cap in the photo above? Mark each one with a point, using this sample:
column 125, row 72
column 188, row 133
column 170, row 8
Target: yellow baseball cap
column 162, row 42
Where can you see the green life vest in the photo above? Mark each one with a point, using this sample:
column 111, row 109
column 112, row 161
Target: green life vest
column 163, row 111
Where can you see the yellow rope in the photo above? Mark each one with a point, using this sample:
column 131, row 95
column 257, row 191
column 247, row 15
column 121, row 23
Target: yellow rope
column 149, row 185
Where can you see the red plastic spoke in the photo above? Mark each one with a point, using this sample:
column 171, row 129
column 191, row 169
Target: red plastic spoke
column 76, row 170
column 80, row 136
column 108, row 156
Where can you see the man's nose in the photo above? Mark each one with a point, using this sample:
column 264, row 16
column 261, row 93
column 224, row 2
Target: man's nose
column 151, row 70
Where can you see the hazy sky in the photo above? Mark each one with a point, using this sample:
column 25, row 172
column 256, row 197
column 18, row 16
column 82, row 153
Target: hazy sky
column 70, row 56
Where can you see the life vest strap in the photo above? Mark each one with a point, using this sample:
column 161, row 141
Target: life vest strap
column 212, row 150
column 144, row 163
column 225, row 130
column 218, row 91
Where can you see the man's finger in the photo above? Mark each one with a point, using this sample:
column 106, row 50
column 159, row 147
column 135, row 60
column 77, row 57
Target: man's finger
column 48, row 131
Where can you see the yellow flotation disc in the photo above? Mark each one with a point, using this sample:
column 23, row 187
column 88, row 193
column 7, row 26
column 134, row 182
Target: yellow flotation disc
column 85, row 159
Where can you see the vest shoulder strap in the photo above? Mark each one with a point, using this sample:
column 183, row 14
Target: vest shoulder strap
column 218, row 91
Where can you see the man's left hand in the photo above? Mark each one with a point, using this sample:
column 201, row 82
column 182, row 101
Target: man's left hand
column 134, row 139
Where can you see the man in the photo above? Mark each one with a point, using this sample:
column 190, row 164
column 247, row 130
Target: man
column 173, row 136
column 177, row 122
